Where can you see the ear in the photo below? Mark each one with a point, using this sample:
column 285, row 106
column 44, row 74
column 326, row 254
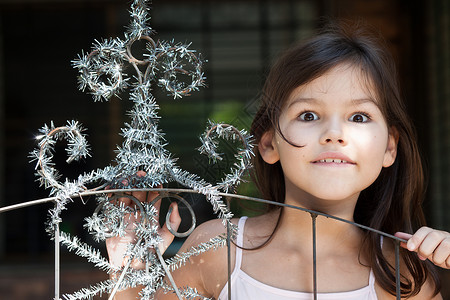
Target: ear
column 391, row 149
column 267, row 149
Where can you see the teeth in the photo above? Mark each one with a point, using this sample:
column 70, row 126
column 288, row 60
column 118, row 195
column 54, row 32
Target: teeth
column 333, row 160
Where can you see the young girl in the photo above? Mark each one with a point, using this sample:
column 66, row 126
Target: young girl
column 332, row 136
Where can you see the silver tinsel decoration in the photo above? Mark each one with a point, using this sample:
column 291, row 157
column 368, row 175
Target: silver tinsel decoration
column 143, row 149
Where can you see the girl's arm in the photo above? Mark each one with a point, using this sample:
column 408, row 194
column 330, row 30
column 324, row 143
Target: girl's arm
column 430, row 244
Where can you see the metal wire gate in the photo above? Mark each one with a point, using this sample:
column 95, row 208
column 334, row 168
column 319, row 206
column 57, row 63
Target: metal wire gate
column 179, row 71
column 314, row 215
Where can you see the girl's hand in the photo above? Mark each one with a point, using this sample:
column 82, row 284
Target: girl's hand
column 117, row 246
column 429, row 244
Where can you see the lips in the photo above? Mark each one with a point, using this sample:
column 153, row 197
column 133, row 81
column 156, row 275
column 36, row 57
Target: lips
column 333, row 157
column 332, row 160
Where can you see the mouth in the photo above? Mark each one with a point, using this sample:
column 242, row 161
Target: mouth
column 332, row 160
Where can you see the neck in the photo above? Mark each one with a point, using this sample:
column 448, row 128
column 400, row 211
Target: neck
column 342, row 208
column 296, row 226
column 295, row 231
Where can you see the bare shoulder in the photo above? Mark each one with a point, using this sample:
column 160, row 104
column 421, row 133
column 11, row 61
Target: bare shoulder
column 205, row 232
column 259, row 229
column 255, row 228
column 205, row 271
column 427, row 289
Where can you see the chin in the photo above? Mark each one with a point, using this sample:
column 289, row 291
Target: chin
column 318, row 195
column 326, row 198
column 337, row 196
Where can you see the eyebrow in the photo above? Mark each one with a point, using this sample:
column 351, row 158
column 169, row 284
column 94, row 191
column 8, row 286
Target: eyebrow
column 355, row 102
column 306, row 100
column 365, row 100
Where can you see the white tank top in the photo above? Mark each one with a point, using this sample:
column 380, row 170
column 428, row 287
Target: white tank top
column 244, row 287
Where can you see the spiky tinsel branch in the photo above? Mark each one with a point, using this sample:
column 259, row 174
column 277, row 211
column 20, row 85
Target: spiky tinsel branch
column 101, row 73
column 100, row 288
column 188, row 293
column 105, row 61
column 243, row 155
column 82, row 249
column 181, row 258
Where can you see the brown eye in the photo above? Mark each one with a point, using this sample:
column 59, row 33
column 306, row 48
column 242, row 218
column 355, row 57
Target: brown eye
column 359, row 118
column 308, row 116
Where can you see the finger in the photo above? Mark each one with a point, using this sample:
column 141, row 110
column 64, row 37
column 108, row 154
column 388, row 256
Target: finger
column 141, row 173
column 157, row 206
column 140, row 195
column 442, row 253
column 137, row 264
column 145, row 196
column 109, row 195
column 421, row 257
column 152, row 195
column 418, row 238
column 124, row 200
column 430, row 244
column 131, row 221
column 117, row 247
column 175, row 221
column 404, row 236
column 175, row 218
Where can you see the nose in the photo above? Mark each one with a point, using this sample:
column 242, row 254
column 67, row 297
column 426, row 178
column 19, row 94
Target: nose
column 333, row 133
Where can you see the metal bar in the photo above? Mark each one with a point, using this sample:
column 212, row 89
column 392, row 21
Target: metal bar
column 229, row 259
column 314, row 217
column 229, row 252
column 26, row 204
column 393, row 237
column 168, row 274
column 119, row 280
column 96, row 192
column 397, row 270
column 57, row 261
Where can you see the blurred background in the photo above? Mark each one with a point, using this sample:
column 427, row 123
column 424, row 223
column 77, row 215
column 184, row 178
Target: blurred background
column 240, row 39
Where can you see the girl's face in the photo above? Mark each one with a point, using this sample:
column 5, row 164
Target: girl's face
column 344, row 137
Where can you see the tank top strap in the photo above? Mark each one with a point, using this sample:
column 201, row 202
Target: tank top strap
column 239, row 243
column 372, row 275
column 371, row 279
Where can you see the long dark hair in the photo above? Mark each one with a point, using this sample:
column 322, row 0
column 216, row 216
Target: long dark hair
column 393, row 202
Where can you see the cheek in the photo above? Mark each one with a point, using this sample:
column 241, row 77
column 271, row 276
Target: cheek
column 370, row 145
column 305, row 137
column 298, row 134
column 373, row 146
column 364, row 138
